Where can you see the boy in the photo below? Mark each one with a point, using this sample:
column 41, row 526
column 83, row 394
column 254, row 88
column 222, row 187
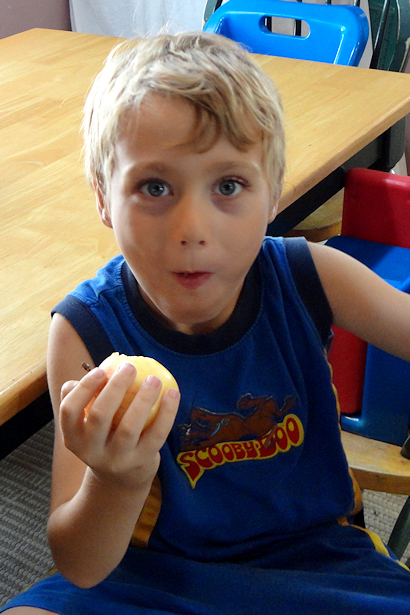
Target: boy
column 235, row 498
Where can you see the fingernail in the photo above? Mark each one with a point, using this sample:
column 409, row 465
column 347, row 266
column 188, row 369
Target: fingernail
column 173, row 393
column 152, row 381
column 97, row 373
column 126, row 368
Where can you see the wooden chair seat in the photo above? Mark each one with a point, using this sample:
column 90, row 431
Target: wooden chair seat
column 380, row 467
column 377, row 466
column 324, row 223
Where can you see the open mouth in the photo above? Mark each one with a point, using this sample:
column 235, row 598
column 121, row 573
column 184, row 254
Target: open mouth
column 193, row 279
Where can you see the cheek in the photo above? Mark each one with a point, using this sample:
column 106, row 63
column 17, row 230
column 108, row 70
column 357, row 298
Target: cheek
column 128, row 227
column 242, row 252
column 140, row 245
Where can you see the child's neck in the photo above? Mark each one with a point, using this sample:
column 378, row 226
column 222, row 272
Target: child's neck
column 242, row 318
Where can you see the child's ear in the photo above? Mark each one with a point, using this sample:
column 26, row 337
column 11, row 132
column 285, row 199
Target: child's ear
column 102, row 208
column 273, row 210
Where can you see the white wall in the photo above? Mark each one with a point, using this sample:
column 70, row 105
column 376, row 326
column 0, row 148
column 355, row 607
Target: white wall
column 19, row 15
column 133, row 18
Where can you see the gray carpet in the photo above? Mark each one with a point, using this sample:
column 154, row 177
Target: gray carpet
column 24, row 489
column 24, row 495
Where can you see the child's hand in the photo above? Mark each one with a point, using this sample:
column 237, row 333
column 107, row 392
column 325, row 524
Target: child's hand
column 125, row 456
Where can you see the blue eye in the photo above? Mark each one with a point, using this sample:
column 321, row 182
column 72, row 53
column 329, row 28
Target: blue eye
column 155, row 188
column 228, row 187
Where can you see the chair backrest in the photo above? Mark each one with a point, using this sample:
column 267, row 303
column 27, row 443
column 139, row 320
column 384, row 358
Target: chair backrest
column 390, row 26
column 337, row 34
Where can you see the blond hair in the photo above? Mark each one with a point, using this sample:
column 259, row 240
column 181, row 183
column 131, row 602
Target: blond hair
column 231, row 96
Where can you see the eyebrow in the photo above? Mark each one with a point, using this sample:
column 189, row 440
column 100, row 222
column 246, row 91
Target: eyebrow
column 149, row 167
column 231, row 166
column 160, row 168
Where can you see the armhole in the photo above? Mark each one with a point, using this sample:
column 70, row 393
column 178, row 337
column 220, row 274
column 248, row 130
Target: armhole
column 309, row 286
column 88, row 327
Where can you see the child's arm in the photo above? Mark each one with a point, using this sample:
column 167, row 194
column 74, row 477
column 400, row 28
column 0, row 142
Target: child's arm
column 100, row 485
column 362, row 302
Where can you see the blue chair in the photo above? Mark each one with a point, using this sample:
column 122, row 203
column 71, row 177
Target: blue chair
column 337, row 34
column 376, row 232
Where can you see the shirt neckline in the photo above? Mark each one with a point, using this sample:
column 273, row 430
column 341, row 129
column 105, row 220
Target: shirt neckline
column 240, row 321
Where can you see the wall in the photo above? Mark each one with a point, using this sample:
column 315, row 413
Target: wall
column 19, row 15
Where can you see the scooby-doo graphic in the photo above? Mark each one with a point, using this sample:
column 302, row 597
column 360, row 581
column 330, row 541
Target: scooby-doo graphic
column 206, row 428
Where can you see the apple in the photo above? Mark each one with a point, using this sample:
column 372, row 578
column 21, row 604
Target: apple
column 145, row 366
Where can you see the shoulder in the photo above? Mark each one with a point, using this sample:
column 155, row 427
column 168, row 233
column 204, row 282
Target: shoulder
column 66, row 353
column 362, row 302
column 86, row 311
column 348, row 284
column 289, row 260
column 107, row 279
column 346, row 281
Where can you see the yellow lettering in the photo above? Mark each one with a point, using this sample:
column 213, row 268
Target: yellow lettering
column 287, row 434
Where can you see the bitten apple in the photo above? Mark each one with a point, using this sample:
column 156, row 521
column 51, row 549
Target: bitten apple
column 145, row 366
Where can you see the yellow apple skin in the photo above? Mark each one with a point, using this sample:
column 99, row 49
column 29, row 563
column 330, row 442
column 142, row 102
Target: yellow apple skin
column 145, row 366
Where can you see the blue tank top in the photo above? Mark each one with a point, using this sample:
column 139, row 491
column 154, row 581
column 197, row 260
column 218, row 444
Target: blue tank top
column 255, row 454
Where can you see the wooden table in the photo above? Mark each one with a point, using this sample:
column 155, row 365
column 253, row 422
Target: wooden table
column 50, row 236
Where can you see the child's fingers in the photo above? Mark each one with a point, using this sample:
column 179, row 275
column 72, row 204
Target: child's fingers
column 67, row 388
column 157, row 433
column 108, row 401
column 76, row 395
column 168, row 411
column 134, row 419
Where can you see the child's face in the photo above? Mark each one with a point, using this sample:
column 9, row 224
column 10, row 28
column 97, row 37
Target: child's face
column 189, row 224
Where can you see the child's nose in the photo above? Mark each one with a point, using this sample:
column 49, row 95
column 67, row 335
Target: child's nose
column 192, row 224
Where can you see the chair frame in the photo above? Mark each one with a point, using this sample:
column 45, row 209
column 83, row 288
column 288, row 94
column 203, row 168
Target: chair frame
column 390, row 26
column 344, row 28
column 387, row 18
